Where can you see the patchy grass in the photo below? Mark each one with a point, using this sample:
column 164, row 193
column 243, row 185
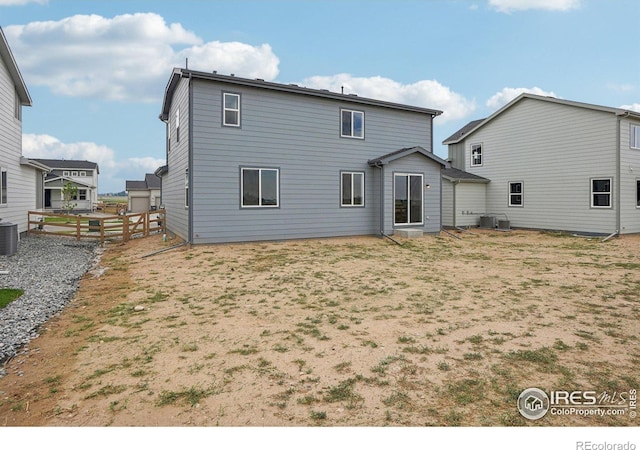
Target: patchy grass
column 9, row 295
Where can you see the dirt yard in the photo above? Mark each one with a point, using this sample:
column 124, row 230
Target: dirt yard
column 337, row 332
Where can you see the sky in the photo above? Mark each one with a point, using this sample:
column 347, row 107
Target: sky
column 96, row 69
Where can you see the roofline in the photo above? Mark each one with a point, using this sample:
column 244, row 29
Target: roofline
column 36, row 164
column 14, row 71
column 61, row 177
column 290, row 88
column 466, row 180
column 607, row 109
column 390, row 157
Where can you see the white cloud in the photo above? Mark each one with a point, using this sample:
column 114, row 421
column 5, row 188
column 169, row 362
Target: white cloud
column 127, row 57
column 507, row 6
column 507, row 94
column 21, row 2
column 113, row 173
column 425, row 93
column 632, row 107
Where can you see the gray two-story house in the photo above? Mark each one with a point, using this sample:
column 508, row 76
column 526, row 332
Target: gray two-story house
column 547, row 163
column 252, row 160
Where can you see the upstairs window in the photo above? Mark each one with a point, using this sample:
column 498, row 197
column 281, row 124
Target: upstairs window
column 17, row 106
column 352, row 124
column 83, row 173
column 634, row 137
column 178, row 125
column 601, row 193
column 231, row 110
column 515, row 194
column 352, row 188
column 476, row 155
column 259, row 187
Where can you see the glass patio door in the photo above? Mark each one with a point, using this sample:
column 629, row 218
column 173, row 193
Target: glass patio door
column 408, row 199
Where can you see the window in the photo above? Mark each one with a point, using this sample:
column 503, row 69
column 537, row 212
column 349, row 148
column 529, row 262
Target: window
column 66, row 173
column 3, row 187
column 259, row 187
column 82, row 194
column 178, row 125
column 352, row 124
column 74, row 173
column 515, row 194
column 601, row 193
column 231, row 110
column 352, row 188
column 476, row 155
column 638, row 193
column 408, row 190
column 83, row 173
column 186, row 188
column 634, row 137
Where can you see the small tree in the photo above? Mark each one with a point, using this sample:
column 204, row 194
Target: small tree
column 69, row 194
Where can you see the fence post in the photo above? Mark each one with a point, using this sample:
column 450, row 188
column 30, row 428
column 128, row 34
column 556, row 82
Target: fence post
column 101, row 231
column 125, row 228
column 77, row 228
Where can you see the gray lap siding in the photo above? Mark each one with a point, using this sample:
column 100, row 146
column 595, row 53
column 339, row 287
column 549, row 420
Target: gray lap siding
column 301, row 139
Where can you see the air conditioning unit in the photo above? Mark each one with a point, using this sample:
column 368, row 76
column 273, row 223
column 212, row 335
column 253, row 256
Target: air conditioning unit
column 487, row 222
column 504, row 225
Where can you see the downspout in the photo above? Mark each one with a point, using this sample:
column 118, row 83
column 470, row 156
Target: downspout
column 190, row 160
column 618, row 183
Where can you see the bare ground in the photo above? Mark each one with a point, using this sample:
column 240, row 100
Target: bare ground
column 336, row 332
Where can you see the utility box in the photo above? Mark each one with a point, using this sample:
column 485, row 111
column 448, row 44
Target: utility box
column 8, row 238
column 487, row 222
column 504, row 225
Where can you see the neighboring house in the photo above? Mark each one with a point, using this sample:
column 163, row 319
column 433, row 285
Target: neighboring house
column 546, row 163
column 21, row 179
column 252, row 160
column 144, row 195
column 82, row 174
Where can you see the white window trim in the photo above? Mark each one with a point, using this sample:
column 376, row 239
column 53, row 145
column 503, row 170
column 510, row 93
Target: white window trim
column 521, row 194
column 178, row 125
column 83, row 173
column 74, row 173
column 352, row 111
column 66, row 173
column 351, row 205
column 408, row 175
column 225, row 109
column 610, row 193
column 481, row 146
column 260, row 170
column 634, row 136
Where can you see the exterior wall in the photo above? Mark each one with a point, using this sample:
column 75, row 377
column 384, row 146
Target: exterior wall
column 21, row 179
column 457, row 155
column 138, row 201
column 301, row 137
column 629, row 176
column 462, row 203
column 554, row 150
column 430, row 170
column 173, row 182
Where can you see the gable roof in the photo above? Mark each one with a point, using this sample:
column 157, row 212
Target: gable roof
column 151, row 181
column 16, row 76
column 290, row 88
column 73, row 164
column 475, row 125
column 452, row 174
column 389, row 157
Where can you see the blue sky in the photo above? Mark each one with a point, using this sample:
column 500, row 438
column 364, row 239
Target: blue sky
column 97, row 70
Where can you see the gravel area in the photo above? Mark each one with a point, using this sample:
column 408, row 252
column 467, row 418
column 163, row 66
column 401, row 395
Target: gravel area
column 48, row 270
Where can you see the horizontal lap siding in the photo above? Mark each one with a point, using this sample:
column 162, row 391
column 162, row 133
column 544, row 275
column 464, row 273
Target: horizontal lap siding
column 300, row 136
column 173, row 193
column 554, row 150
column 470, row 203
column 629, row 176
column 21, row 180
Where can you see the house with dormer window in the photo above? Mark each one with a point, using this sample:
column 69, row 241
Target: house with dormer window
column 250, row 160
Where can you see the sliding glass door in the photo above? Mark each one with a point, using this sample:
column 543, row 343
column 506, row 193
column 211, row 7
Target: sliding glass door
column 408, row 195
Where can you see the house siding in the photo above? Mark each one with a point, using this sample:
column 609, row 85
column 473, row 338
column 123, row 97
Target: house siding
column 415, row 164
column 462, row 203
column 299, row 135
column 554, row 150
column 21, row 180
column 173, row 193
column 629, row 176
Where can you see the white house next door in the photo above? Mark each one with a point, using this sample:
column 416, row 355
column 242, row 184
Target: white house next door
column 408, row 198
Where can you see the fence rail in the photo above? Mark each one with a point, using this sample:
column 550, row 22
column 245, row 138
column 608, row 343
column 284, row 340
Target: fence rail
column 97, row 226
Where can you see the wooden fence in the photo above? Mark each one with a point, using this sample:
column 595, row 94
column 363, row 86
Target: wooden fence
column 97, row 226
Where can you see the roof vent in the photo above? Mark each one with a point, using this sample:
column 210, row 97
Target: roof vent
column 293, row 84
column 353, row 95
column 233, row 74
column 215, row 71
column 259, row 79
